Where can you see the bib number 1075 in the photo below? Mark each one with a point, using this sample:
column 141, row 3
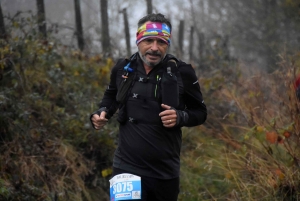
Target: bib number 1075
column 122, row 187
column 125, row 187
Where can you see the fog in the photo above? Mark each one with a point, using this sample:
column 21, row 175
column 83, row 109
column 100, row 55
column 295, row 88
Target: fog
column 251, row 31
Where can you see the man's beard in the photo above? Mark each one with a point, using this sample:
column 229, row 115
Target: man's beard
column 151, row 64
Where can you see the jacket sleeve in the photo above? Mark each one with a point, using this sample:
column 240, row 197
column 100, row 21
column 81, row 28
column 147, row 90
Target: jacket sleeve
column 109, row 98
column 194, row 103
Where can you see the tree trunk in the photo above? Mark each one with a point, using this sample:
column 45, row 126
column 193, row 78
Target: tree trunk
column 180, row 37
column 78, row 21
column 127, row 34
column 2, row 26
column 270, row 33
column 41, row 17
column 201, row 46
column 149, row 6
column 191, row 47
column 105, row 39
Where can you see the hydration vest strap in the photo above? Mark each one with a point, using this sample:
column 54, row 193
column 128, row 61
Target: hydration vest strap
column 134, row 96
column 134, row 121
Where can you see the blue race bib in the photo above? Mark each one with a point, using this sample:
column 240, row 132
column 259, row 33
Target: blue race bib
column 125, row 187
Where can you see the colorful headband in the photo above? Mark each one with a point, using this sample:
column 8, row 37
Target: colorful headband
column 153, row 29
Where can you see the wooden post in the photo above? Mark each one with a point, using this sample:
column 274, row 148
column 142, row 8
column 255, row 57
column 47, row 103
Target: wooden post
column 41, row 17
column 191, row 47
column 149, row 6
column 201, row 45
column 127, row 34
column 105, row 38
column 2, row 25
column 181, row 37
column 78, row 21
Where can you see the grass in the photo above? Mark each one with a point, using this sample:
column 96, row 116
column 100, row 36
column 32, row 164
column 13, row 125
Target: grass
column 248, row 148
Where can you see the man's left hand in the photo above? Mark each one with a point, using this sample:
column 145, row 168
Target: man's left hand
column 168, row 116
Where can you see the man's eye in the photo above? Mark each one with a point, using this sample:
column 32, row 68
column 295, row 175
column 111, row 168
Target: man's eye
column 161, row 42
column 149, row 40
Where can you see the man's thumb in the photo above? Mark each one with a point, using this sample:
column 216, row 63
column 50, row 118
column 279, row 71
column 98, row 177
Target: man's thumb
column 102, row 115
column 166, row 107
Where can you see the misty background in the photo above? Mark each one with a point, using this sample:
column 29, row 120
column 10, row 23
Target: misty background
column 55, row 63
column 252, row 32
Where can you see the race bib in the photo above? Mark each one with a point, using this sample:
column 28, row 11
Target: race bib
column 125, row 187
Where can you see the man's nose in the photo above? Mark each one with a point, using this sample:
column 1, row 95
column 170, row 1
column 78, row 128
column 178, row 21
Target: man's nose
column 154, row 46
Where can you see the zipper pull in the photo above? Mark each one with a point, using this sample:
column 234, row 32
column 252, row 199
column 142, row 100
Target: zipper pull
column 125, row 75
column 157, row 79
column 169, row 71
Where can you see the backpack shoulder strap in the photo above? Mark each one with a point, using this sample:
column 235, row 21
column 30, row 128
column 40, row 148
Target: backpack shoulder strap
column 122, row 62
column 171, row 56
column 173, row 62
column 127, row 80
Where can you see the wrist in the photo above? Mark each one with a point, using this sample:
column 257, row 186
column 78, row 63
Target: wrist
column 182, row 118
column 102, row 109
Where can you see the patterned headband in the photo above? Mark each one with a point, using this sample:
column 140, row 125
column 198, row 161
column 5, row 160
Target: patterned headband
column 153, row 29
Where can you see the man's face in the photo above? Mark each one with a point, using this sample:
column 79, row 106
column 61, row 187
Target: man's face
column 152, row 51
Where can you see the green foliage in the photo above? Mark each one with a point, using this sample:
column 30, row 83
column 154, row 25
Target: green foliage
column 3, row 189
column 248, row 148
column 47, row 92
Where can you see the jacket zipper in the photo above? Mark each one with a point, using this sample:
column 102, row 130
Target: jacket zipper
column 157, row 79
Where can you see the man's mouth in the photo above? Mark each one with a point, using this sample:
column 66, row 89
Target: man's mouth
column 153, row 55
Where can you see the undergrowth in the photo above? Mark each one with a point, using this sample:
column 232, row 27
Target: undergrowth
column 47, row 91
column 249, row 147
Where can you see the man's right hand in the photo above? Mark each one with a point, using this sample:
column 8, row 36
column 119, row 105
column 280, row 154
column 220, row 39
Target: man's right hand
column 99, row 121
